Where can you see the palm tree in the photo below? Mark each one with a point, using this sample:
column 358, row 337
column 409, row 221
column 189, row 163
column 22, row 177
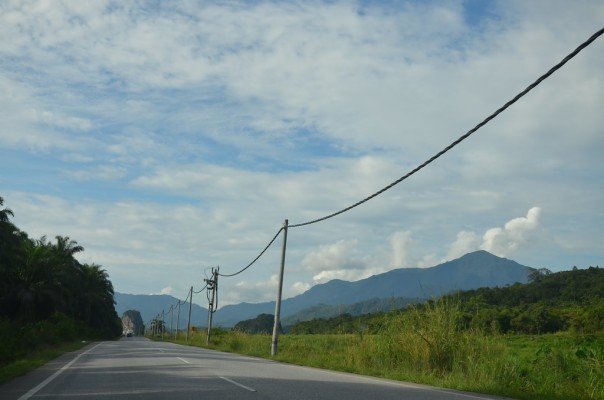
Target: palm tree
column 5, row 213
column 10, row 255
column 37, row 281
column 98, row 304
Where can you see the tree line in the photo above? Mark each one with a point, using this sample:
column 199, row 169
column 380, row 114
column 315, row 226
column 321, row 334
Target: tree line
column 43, row 285
column 552, row 302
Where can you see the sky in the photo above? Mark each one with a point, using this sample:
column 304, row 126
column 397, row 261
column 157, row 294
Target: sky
column 168, row 138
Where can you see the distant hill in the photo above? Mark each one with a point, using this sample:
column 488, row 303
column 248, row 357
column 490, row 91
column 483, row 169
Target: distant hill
column 552, row 302
column 474, row 270
column 364, row 307
column 150, row 305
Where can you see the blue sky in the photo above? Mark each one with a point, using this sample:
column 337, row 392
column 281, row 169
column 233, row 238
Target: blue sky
column 170, row 139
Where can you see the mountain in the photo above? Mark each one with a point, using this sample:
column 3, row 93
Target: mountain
column 150, row 305
column 325, row 311
column 474, row 270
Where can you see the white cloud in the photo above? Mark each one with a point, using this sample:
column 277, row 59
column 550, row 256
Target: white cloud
column 183, row 135
column 335, row 256
column 402, row 245
column 299, row 288
column 60, row 121
column 466, row 242
column 166, row 290
column 515, row 233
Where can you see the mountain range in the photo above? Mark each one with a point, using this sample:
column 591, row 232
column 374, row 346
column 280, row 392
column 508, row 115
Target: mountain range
column 401, row 286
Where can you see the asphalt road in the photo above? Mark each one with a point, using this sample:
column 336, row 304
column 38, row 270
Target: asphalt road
column 135, row 368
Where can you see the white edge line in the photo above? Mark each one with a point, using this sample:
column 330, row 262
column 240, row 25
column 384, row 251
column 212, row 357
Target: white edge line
column 183, row 360
column 53, row 376
column 237, row 384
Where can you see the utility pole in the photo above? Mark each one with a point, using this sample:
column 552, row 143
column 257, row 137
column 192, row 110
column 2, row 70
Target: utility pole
column 163, row 323
column 279, row 293
column 177, row 320
column 190, row 305
column 212, row 284
column 171, row 316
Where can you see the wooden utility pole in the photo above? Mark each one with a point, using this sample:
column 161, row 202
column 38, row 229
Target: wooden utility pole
column 212, row 284
column 177, row 320
column 190, row 306
column 279, row 294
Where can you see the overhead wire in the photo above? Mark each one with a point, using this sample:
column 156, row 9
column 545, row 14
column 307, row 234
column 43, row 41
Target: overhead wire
column 200, row 290
column 464, row 136
column 255, row 259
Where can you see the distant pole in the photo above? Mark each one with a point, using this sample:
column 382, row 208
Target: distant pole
column 279, row 293
column 163, row 323
column 171, row 316
column 190, row 305
column 177, row 320
column 213, row 286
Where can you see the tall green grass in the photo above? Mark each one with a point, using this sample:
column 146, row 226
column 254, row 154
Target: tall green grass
column 428, row 344
column 26, row 347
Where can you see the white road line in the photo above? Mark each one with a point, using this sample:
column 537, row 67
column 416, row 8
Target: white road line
column 53, row 376
column 237, row 384
column 183, row 360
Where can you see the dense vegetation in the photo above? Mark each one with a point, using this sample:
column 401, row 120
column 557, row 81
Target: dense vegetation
column 263, row 323
column 552, row 302
column 46, row 295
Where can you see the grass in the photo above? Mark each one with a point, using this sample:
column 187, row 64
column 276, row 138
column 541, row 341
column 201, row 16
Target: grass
column 428, row 346
column 36, row 359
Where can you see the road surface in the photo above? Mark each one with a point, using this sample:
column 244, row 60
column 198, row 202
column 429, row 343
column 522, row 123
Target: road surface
column 136, row 368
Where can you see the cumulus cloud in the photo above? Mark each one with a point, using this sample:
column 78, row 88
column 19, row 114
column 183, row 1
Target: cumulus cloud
column 166, row 290
column 334, row 261
column 503, row 241
column 465, row 243
column 332, row 257
column 516, row 233
column 299, row 288
column 402, row 244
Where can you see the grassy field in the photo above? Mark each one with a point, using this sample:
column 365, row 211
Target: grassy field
column 37, row 358
column 429, row 348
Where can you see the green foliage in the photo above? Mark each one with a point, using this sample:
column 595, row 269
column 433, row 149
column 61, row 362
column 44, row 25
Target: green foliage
column 36, row 358
column 344, row 323
column 552, row 302
column 263, row 323
column 47, row 296
column 20, row 340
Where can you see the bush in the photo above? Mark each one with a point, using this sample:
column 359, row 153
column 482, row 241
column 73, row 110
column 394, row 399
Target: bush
column 9, row 351
column 18, row 341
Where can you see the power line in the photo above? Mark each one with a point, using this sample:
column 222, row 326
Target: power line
column 200, row 290
column 257, row 258
column 467, row 134
column 437, row 155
